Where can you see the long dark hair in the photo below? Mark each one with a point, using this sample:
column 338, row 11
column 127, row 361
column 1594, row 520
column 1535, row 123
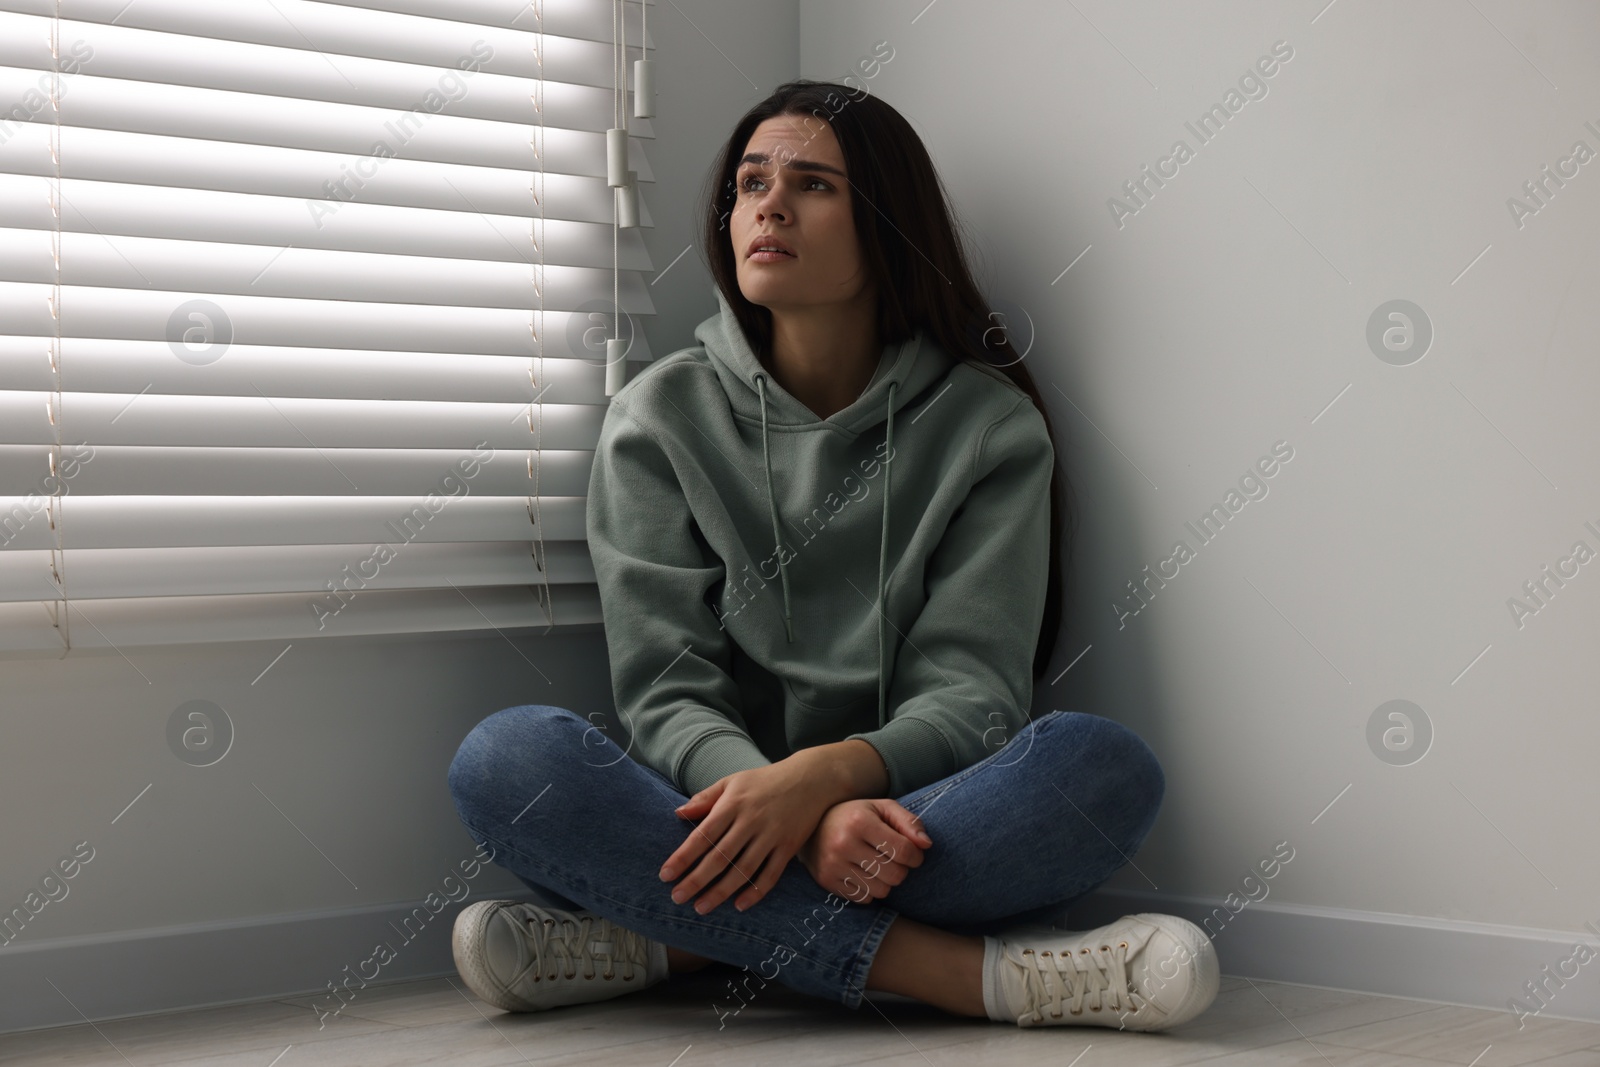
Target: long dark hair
column 911, row 248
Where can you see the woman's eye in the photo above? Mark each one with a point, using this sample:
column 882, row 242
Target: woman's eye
column 745, row 185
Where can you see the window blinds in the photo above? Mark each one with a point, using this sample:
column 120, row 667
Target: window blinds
column 303, row 310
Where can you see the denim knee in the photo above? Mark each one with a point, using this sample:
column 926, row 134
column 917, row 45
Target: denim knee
column 1145, row 783
column 1128, row 769
column 503, row 744
column 1144, row 770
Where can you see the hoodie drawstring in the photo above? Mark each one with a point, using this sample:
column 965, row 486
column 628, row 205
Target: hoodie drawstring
column 772, row 506
column 883, row 551
column 883, row 541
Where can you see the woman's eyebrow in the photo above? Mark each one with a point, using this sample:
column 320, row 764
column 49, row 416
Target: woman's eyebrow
column 793, row 164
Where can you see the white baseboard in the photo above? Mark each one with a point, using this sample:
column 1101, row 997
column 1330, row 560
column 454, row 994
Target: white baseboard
column 214, row 964
column 1475, row 965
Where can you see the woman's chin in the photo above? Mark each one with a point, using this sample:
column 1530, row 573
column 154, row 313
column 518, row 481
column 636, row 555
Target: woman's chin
column 765, row 291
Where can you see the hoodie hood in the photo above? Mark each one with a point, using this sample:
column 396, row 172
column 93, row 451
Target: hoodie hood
column 905, row 371
column 910, row 366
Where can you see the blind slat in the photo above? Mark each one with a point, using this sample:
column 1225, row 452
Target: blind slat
column 188, row 163
column 132, row 367
column 216, row 422
column 220, row 115
column 112, row 261
column 384, row 29
column 198, row 521
column 159, row 471
column 391, row 562
column 149, row 316
column 202, row 217
column 123, row 624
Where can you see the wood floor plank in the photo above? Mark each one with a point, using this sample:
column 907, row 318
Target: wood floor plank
column 456, row 1044
column 1309, row 1009
column 150, row 1039
column 59, row 1046
column 420, row 1003
column 1587, row 1057
column 1460, row 1035
column 1314, row 1052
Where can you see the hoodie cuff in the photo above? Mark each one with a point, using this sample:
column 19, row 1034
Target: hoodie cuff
column 715, row 756
column 915, row 753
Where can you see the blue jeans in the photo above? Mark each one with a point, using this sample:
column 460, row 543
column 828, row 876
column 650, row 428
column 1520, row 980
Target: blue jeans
column 1017, row 837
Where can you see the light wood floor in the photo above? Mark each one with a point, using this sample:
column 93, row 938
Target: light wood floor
column 1252, row 1024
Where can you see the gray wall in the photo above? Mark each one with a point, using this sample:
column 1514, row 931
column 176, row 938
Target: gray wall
column 716, row 59
column 1231, row 312
column 342, row 746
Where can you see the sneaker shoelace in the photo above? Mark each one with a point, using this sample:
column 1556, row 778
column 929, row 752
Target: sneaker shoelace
column 556, row 941
column 1098, row 976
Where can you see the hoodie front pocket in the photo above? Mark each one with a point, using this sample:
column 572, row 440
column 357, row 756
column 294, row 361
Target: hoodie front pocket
column 813, row 721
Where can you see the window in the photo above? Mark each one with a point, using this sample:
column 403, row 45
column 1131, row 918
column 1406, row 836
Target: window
column 303, row 310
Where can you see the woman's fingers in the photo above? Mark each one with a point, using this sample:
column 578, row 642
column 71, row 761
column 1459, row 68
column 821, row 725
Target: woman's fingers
column 891, row 874
column 877, row 869
column 894, row 832
column 684, row 856
column 756, row 869
column 719, row 854
column 736, row 877
column 865, row 855
column 758, row 892
column 882, row 877
column 854, row 889
column 712, row 826
column 908, row 824
column 771, row 870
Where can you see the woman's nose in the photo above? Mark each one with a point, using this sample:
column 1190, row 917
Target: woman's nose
column 774, row 202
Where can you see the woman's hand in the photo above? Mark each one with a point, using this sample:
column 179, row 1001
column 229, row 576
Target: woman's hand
column 751, row 825
column 863, row 848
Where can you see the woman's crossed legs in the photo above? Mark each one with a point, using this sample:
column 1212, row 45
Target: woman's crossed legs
column 1016, row 838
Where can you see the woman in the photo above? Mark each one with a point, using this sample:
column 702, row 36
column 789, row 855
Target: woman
column 831, row 779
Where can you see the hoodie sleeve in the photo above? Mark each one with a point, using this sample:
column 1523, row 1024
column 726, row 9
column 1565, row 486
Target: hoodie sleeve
column 963, row 677
column 670, row 656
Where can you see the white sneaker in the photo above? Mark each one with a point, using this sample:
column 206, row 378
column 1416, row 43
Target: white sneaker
column 523, row 957
column 1142, row 972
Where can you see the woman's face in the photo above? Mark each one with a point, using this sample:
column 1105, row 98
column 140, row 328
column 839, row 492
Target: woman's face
column 791, row 183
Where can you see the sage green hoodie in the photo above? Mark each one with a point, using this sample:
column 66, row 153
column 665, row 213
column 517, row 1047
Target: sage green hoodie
column 742, row 546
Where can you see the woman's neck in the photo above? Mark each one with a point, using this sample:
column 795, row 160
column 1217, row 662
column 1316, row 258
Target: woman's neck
column 824, row 355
